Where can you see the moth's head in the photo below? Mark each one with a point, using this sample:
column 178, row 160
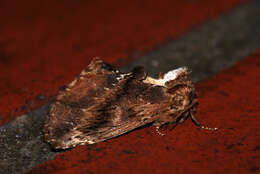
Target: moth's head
column 183, row 95
column 180, row 87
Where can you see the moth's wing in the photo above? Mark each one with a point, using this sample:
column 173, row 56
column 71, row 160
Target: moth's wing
column 70, row 125
column 102, row 125
column 89, row 89
column 83, row 105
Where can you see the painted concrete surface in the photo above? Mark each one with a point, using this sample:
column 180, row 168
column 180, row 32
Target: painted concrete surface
column 37, row 69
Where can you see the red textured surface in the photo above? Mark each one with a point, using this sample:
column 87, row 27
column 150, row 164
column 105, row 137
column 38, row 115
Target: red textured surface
column 229, row 100
column 44, row 44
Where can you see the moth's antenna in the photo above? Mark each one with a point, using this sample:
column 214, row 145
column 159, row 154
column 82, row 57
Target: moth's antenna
column 194, row 119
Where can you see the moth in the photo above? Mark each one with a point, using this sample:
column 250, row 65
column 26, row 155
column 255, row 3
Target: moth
column 102, row 103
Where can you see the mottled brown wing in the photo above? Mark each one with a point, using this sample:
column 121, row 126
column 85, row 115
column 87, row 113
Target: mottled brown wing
column 102, row 103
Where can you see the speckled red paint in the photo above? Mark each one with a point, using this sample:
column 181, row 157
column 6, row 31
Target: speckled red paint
column 44, row 44
column 229, row 100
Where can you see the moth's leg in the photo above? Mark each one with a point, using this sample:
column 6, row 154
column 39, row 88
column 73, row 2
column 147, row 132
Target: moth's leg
column 183, row 118
column 158, row 131
column 158, row 125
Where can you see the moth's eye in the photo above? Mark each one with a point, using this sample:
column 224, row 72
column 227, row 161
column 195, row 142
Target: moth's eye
column 192, row 95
